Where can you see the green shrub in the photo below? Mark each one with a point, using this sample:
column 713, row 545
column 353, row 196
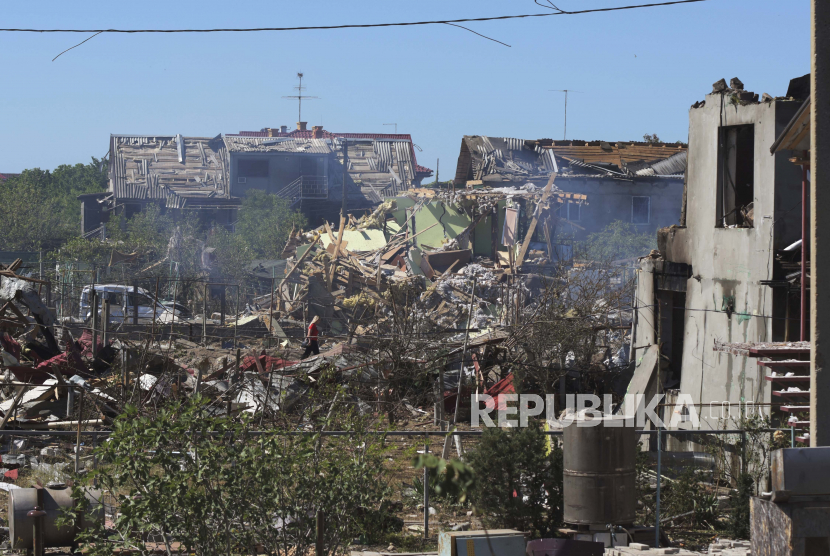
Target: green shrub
column 739, row 519
column 518, row 483
column 206, row 482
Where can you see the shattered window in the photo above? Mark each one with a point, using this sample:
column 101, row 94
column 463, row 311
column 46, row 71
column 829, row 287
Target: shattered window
column 640, row 210
column 573, row 211
column 252, row 168
column 736, row 176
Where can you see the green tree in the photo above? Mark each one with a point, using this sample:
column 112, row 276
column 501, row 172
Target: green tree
column 518, row 483
column 619, row 240
column 265, row 221
column 40, row 209
column 233, row 254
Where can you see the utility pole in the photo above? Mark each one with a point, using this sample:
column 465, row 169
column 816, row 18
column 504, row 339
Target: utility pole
column 396, row 127
column 299, row 97
column 437, row 183
column 345, row 176
column 566, row 91
column 819, row 231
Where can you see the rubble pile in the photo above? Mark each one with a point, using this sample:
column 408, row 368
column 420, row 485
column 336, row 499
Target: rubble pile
column 422, row 275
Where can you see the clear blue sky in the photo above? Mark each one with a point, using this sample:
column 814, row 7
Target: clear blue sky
column 640, row 70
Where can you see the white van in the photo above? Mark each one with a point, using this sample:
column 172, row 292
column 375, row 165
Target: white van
column 123, row 300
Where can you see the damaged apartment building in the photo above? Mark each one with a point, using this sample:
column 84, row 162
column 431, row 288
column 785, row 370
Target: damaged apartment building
column 636, row 183
column 211, row 175
column 718, row 310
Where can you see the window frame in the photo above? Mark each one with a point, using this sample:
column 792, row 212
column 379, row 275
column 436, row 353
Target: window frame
column 252, row 161
column 648, row 210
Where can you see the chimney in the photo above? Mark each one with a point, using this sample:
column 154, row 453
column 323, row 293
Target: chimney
column 317, row 131
column 283, row 129
column 301, row 126
column 269, row 131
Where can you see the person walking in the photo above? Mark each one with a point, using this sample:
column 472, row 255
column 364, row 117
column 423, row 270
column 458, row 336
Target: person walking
column 313, row 334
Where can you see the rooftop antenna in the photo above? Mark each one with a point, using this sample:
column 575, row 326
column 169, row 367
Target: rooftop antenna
column 396, row 127
column 300, row 96
column 566, row 91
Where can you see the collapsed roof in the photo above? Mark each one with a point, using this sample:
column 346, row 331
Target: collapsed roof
column 502, row 159
column 168, row 167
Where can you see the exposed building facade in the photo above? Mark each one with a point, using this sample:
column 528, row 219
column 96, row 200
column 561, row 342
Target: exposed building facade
column 211, row 175
column 716, row 280
column 636, row 183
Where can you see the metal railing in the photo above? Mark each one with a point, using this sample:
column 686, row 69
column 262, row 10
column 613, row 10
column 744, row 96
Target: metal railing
column 306, row 187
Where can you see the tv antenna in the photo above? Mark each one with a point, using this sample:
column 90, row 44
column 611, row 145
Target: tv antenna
column 566, row 91
column 300, row 96
column 396, row 127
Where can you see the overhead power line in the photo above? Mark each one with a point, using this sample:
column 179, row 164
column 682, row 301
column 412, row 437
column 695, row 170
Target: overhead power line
column 350, row 26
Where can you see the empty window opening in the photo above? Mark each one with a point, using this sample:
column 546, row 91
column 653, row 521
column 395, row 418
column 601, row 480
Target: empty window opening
column 736, row 176
column 640, row 210
column 252, row 168
column 573, row 209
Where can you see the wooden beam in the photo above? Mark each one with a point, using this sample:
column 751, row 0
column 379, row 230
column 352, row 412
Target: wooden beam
column 532, row 228
column 295, row 267
column 333, row 265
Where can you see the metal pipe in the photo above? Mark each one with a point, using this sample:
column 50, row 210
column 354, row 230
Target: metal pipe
column 804, row 313
column 37, row 516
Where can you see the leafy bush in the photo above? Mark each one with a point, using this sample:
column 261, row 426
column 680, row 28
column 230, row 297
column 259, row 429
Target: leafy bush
column 518, row 484
column 739, row 518
column 265, row 221
column 206, row 482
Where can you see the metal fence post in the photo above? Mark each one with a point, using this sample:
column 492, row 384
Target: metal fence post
column 135, row 302
column 94, row 307
column 37, row 533
column 426, row 489
column 236, row 320
column 78, row 438
column 105, row 310
column 657, row 495
column 204, row 316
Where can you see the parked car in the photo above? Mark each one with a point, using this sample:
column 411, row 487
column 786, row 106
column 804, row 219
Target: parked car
column 123, row 300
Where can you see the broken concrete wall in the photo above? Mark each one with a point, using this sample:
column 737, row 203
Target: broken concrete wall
column 724, row 297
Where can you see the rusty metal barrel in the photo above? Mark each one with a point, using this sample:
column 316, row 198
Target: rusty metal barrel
column 23, row 500
column 599, row 465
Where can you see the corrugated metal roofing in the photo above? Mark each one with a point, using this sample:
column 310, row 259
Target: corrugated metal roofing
column 308, row 134
column 276, row 144
column 505, row 159
column 673, row 165
column 167, row 166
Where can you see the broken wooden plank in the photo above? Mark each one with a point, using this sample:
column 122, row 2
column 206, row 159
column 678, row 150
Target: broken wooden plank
column 532, row 228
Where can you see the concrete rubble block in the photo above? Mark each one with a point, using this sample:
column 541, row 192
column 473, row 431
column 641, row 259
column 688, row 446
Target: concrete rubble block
column 50, row 451
column 719, row 86
column 736, row 84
